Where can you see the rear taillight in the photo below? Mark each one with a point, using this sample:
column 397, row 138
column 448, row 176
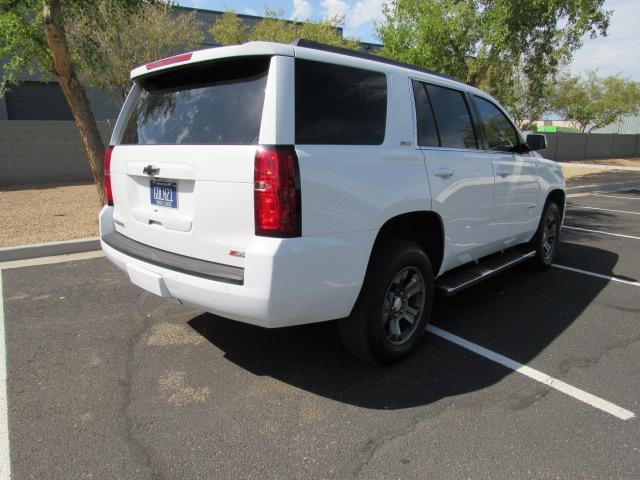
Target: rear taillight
column 277, row 192
column 107, row 176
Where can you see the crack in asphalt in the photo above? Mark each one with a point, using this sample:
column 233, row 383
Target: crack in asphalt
column 374, row 445
column 137, row 448
column 586, row 362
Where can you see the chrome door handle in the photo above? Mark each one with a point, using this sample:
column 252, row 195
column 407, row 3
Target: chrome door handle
column 503, row 172
column 443, row 172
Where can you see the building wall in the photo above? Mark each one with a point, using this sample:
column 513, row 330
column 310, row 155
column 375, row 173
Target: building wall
column 625, row 125
column 36, row 152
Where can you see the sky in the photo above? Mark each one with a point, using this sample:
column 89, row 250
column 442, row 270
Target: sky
column 617, row 53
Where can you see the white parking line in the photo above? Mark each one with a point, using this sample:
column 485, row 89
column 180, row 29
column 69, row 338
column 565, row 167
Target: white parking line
column 600, row 232
column 598, row 275
column 603, row 209
column 5, row 459
column 31, row 262
column 536, row 375
column 615, row 196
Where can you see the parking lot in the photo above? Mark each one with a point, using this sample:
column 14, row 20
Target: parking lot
column 527, row 375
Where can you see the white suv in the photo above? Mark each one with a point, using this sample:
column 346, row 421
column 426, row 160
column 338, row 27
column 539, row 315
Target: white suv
column 286, row 184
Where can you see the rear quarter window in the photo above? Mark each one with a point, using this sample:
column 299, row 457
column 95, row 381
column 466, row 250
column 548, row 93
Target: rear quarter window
column 339, row 105
column 215, row 103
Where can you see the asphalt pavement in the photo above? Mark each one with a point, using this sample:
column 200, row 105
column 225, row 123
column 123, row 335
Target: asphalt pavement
column 108, row 381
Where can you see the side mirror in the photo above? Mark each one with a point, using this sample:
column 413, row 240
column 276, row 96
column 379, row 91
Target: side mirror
column 536, row 141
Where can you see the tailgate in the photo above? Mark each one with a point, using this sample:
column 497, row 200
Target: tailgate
column 182, row 169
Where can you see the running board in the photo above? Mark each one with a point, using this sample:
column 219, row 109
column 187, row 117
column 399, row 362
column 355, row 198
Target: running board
column 461, row 278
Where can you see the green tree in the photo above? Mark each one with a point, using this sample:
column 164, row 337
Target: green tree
column 592, row 101
column 525, row 100
column 105, row 55
column 491, row 44
column 230, row 30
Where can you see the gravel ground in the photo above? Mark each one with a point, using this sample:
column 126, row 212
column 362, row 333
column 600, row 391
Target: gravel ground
column 618, row 162
column 48, row 213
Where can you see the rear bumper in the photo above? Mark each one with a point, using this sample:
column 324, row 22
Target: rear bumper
column 285, row 281
column 172, row 261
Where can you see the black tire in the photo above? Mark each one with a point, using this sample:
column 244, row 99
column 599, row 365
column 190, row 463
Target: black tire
column 545, row 241
column 379, row 330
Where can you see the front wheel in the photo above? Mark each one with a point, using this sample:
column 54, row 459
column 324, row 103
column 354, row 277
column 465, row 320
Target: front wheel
column 394, row 306
column 545, row 242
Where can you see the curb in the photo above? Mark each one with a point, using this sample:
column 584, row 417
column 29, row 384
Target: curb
column 23, row 252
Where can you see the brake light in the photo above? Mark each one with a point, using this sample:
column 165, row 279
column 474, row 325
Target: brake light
column 277, row 192
column 168, row 61
column 107, row 176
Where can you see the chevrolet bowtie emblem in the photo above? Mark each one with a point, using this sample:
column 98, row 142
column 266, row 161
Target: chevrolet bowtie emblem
column 149, row 170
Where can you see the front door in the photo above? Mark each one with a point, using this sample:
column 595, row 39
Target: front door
column 517, row 190
column 517, row 193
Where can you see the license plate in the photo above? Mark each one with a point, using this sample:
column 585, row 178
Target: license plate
column 164, row 194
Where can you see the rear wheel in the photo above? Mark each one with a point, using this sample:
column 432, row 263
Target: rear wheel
column 545, row 241
column 394, row 305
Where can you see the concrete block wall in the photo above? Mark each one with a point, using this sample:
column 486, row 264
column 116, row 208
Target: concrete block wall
column 626, row 145
column 567, row 147
column 34, row 152
column 3, row 109
column 599, row 146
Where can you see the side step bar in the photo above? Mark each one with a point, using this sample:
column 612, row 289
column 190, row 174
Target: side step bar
column 463, row 277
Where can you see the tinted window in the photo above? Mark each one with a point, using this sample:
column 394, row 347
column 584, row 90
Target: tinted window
column 337, row 105
column 427, row 131
column 215, row 103
column 500, row 133
column 452, row 116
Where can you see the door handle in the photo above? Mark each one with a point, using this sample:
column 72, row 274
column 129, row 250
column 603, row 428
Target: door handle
column 443, row 172
column 503, row 172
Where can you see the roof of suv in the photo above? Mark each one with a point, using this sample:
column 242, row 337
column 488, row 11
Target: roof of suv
column 300, row 48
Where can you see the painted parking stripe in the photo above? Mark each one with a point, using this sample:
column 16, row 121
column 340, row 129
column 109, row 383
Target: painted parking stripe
column 600, row 232
column 597, row 275
column 31, row 262
column 615, row 196
column 5, row 460
column 536, row 375
column 603, row 209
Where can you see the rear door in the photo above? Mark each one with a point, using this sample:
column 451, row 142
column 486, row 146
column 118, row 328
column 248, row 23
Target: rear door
column 517, row 189
column 182, row 167
column 460, row 175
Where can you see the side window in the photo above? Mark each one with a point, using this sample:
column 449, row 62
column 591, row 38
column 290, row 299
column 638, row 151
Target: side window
column 453, row 118
column 426, row 123
column 500, row 132
column 338, row 105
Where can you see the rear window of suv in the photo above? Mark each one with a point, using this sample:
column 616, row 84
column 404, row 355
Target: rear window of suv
column 216, row 103
column 338, row 105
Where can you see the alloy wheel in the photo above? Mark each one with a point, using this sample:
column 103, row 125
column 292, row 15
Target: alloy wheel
column 403, row 305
